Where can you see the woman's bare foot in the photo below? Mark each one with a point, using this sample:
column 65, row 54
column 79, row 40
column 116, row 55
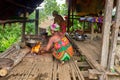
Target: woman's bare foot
column 62, row 62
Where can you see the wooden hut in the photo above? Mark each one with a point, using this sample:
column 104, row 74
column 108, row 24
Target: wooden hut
column 99, row 60
column 93, row 8
column 13, row 11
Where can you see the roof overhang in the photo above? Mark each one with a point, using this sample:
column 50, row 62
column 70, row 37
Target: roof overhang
column 14, row 8
column 87, row 7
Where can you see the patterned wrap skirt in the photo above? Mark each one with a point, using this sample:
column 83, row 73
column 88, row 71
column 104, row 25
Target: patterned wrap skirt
column 64, row 50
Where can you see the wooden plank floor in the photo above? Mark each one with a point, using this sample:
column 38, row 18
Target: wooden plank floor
column 92, row 48
column 44, row 67
column 91, row 51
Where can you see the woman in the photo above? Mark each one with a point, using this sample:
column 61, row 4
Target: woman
column 60, row 21
column 63, row 50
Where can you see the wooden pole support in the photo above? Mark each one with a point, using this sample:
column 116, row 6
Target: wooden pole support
column 114, row 36
column 106, row 32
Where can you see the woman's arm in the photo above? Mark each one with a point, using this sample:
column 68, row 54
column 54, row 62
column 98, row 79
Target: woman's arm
column 49, row 45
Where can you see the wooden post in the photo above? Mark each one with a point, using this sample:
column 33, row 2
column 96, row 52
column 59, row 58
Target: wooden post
column 23, row 28
column 68, row 21
column 72, row 14
column 83, row 26
column 3, row 25
column 92, row 30
column 106, row 32
column 37, row 21
column 114, row 36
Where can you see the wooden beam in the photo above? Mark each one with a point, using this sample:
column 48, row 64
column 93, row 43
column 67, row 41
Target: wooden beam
column 23, row 29
column 92, row 31
column 93, row 74
column 117, row 68
column 82, row 64
column 68, row 20
column 14, row 21
column 106, row 32
column 36, row 37
column 19, row 5
column 114, row 36
column 85, row 73
column 37, row 21
column 80, row 77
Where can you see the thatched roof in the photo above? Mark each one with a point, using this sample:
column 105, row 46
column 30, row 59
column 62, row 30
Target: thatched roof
column 87, row 7
column 14, row 8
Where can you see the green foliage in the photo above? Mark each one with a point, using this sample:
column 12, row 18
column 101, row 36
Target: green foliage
column 43, row 15
column 50, row 6
column 32, row 16
column 30, row 28
column 9, row 35
column 64, row 9
column 77, row 25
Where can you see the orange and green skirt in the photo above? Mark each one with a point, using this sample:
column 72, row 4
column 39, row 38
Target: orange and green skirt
column 64, row 50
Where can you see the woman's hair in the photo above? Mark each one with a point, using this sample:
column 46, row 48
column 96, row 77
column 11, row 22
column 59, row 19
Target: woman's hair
column 54, row 12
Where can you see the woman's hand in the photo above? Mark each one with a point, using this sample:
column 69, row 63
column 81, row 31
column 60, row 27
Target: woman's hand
column 42, row 50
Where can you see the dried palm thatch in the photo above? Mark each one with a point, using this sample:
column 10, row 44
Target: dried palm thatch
column 87, row 7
